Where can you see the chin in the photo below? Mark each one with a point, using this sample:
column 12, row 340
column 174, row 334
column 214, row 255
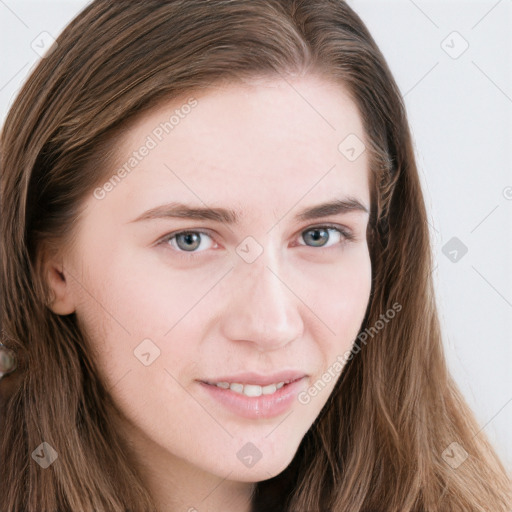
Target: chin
column 255, row 476
column 262, row 470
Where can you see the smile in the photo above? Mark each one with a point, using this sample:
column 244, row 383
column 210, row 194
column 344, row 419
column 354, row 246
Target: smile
column 256, row 401
column 249, row 389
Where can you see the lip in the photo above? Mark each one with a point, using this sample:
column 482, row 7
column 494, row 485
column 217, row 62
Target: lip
column 258, row 379
column 263, row 406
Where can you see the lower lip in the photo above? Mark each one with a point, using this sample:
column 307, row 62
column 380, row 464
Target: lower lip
column 263, row 406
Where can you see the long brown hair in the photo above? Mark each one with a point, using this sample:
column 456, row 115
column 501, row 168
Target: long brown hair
column 381, row 440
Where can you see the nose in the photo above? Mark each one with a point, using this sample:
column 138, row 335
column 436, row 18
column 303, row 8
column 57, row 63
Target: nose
column 263, row 309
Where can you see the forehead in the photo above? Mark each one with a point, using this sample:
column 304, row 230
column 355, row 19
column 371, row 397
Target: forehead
column 274, row 140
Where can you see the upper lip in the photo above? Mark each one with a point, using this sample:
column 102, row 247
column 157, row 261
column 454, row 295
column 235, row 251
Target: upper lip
column 257, row 378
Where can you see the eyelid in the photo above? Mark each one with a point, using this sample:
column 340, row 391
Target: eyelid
column 346, row 233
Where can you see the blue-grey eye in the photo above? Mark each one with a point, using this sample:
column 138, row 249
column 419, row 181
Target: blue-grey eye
column 320, row 237
column 188, row 241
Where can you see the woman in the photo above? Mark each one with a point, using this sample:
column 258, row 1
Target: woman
column 290, row 359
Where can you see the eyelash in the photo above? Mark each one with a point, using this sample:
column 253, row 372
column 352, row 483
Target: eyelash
column 347, row 237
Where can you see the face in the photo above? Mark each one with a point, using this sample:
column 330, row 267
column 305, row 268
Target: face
column 197, row 317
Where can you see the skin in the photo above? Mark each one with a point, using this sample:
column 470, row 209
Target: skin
column 265, row 149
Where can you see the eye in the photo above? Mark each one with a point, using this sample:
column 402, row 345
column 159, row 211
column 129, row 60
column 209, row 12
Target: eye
column 320, row 236
column 187, row 241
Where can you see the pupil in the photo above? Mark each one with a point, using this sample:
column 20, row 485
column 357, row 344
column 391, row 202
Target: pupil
column 318, row 235
column 189, row 238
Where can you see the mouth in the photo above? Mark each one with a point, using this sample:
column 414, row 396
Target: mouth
column 254, row 396
column 251, row 390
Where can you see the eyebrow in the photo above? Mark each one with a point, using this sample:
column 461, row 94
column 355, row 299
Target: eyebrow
column 226, row 216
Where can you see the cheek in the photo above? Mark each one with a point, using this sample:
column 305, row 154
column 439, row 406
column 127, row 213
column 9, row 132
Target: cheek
column 353, row 292
column 341, row 303
column 135, row 313
column 339, row 293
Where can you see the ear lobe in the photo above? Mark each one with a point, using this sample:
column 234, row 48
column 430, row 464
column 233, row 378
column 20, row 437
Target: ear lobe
column 62, row 301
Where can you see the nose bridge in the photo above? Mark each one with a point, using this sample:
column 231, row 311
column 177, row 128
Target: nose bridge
column 263, row 309
column 266, row 286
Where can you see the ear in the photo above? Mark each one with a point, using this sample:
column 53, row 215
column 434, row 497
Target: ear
column 62, row 302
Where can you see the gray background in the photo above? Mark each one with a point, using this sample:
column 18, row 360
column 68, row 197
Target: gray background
column 452, row 61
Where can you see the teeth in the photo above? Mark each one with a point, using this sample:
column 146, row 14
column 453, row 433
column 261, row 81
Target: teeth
column 268, row 390
column 250, row 389
column 238, row 388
